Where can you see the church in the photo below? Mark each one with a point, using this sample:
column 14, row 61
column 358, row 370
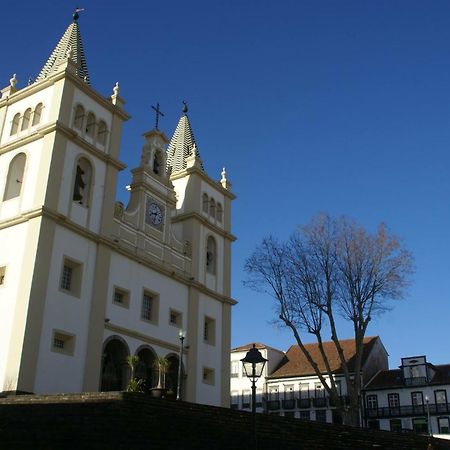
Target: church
column 86, row 281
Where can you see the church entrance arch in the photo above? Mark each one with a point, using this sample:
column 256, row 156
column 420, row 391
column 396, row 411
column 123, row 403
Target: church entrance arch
column 115, row 370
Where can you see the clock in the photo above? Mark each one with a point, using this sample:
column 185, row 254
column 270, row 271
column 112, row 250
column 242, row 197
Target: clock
column 154, row 214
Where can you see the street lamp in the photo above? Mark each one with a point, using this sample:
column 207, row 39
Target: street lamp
column 253, row 363
column 427, row 401
column 181, row 336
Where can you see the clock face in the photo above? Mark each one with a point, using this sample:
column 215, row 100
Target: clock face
column 154, row 214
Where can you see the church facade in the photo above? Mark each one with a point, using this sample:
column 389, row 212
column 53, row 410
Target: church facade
column 86, row 281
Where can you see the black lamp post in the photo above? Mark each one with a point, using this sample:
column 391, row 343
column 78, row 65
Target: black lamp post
column 253, row 363
column 181, row 335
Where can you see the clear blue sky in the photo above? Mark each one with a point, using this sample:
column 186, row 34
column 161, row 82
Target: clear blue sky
column 336, row 106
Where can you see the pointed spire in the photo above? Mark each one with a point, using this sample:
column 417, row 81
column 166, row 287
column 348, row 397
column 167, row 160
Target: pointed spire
column 182, row 145
column 70, row 47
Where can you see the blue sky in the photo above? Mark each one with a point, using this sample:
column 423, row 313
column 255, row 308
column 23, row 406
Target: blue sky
column 336, row 106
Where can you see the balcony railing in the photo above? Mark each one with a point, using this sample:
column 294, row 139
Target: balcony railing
column 416, row 381
column 320, row 402
column 288, row 403
column 273, row 405
column 303, row 403
column 408, row 410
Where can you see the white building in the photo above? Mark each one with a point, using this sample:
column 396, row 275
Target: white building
column 404, row 399
column 85, row 281
column 290, row 386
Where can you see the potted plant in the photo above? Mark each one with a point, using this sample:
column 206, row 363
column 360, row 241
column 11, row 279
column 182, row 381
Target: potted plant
column 135, row 384
column 161, row 364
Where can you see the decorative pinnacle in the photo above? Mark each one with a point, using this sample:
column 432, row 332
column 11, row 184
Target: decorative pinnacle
column 13, row 81
column 116, row 89
column 185, row 107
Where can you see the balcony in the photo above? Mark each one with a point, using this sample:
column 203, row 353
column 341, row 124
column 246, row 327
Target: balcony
column 320, row 402
column 273, row 405
column 416, row 381
column 343, row 400
column 288, row 404
column 303, row 403
column 408, row 410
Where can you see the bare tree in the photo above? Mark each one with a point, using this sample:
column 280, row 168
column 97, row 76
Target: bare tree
column 331, row 269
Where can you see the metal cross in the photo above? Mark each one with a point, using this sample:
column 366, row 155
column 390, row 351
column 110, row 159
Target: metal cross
column 158, row 113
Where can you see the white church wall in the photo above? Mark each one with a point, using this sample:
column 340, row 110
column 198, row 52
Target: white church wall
column 67, row 313
column 13, row 252
column 180, row 185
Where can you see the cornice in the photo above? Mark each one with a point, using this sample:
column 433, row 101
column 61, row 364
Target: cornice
column 68, row 132
column 205, row 222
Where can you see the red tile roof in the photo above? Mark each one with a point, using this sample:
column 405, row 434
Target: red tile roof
column 296, row 364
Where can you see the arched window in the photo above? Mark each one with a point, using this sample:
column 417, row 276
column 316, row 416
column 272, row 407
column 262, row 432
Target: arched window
column 79, row 117
column 26, row 119
column 146, row 368
column 15, row 124
column 102, row 132
column 212, row 208
column 14, row 180
column 157, row 162
column 211, row 255
column 205, row 203
column 82, row 184
column 219, row 212
column 90, row 126
column 37, row 114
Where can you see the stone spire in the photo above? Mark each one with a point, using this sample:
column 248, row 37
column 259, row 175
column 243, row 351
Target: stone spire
column 181, row 145
column 70, row 47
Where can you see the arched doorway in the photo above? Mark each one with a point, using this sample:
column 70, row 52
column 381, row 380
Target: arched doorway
column 145, row 369
column 115, row 371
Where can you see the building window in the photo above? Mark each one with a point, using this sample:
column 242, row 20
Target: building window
column 211, row 255
column 212, row 208
column 440, row 397
column 102, row 133
column 149, row 310
column 209, row 331
column 219, row 212
column 79, row 117
column 63, row 342
column 274, row 393
column 234, row 399
column 2, row 275
column 246, row 395
column 175, row 318
column 157, row 162
column 417, row 398
column 81, row 187
column 305, row 415
column 234, row 369
column 393, row 400
column 205, row 203
column 15, row 124
column 37, row 114
column 420, row 425
column 443, row 424
column 26, row 119
column 121, row 297
column 395, row 425
column 289, row 392
column 372, row 402
column 90, row 126
column 14, row 179
column 321, row 415
column 208, row 375
column 71, row 274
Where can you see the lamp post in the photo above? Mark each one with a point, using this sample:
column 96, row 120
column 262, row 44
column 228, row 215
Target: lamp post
column 181, row 336
column 427, row 401
column 253, row 363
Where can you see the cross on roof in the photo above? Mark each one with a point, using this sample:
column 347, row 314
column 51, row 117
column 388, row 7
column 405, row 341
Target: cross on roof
column 158, row 113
